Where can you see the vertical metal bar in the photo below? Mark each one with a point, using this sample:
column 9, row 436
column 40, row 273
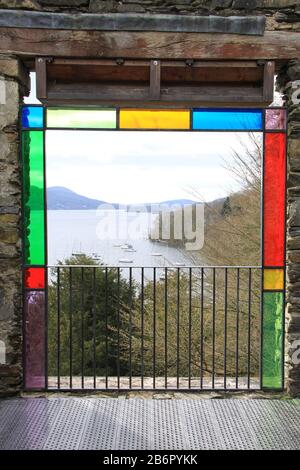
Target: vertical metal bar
column 82, row 324
column 45, row 251
column 202, row 328
column 154, row 327
column 106, row 329
column 142, row 328
column 130, row 328
column 285, row 248
column 190, row 326
column 166, row 327
column 178, row 326
column 58, row 327
column 249, row 327
column 262, row 254
column 71, row 327
column 118, row 329
column 237, row 328
column 225, row 327
column 214, row 329
column 94, row 327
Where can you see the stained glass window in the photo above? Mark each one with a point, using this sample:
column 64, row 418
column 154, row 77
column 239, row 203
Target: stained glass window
column 275, row 119
column 32, row 117
column 35, row 278
column 154, row 119
column 34, row 339
column 33, row 196
column 227, row 119
column 273, row 279
column 82, row 118
column 274, row 199
column 272, row 340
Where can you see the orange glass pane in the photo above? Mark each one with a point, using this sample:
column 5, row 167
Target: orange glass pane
column 273, row 279
column 154, row 119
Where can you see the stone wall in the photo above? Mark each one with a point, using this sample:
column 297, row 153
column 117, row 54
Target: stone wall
column 281, row 15
column 13, row 84
column 289, row 83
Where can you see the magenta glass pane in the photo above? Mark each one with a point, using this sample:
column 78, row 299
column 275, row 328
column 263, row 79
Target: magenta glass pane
column 275, row 119
column 35, row 339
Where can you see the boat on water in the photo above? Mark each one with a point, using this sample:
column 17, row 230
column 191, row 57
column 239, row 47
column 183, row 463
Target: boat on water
column 156, row 254
column 178, row 264
column 130, row 250
column 125, row 260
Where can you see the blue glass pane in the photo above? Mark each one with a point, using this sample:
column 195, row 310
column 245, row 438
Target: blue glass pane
column 32, row 116
column 227, row 119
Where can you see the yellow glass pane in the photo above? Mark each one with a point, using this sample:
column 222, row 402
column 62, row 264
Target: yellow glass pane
column 154, row 119
column 273, row 279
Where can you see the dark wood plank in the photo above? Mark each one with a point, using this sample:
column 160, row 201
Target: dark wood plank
column 274, row 45
column 250, row 25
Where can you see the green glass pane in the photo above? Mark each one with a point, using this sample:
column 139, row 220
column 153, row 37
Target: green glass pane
column 33, row 196
column 82, row 118
column 272, row 340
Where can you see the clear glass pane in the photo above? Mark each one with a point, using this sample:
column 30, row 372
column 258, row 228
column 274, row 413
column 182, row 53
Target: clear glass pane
column 227, row 119
column 82, row 118
column 33, row 196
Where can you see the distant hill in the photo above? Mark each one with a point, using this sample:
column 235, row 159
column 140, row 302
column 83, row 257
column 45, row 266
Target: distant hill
column 60, row 198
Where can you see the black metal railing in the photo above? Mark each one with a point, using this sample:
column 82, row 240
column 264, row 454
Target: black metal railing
column 180, row 328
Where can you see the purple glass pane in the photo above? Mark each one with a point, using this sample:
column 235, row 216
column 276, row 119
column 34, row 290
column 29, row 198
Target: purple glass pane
column 35, row 339
column 275, row 119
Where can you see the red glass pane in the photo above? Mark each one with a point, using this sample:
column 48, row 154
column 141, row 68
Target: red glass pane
column 35, row 278
column 274, row 198
column 35, row 339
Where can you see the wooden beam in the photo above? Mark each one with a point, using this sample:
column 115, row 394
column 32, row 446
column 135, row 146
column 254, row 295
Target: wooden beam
column 251, row 25
column 274, row 45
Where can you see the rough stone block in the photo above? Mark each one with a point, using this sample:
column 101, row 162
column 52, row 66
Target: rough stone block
column 64, row 3
column 20, row 4
column 294, row 213
column 9, row 110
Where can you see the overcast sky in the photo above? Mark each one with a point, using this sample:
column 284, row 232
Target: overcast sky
column 139, row 167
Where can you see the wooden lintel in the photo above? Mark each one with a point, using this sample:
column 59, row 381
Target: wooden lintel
column 250, row 25
column 274, row 45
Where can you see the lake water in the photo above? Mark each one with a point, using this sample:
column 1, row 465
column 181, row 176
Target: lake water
column 101, row 233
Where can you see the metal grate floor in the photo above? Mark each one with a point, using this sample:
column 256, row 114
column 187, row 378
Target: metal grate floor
column 108, row 423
